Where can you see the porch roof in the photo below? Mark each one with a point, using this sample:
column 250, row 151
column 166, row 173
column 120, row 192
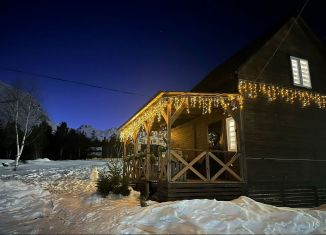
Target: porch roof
column 155, row 107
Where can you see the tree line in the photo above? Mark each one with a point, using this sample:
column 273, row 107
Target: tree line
column 26, row 134
column 61, row 144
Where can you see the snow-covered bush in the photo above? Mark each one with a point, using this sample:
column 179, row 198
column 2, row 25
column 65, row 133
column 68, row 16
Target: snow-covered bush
column 112, row 180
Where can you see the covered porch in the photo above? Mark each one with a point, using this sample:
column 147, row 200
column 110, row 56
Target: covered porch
column 185, row 138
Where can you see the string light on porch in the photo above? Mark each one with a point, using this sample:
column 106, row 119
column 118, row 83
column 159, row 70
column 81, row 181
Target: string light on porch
column 271, row 92
column 204, row 102
column 151, row 113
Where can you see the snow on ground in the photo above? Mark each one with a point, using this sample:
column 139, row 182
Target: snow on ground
column 60, row 197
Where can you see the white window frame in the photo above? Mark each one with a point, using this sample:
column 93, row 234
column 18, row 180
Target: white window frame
column 297, row 72
column 231, row 134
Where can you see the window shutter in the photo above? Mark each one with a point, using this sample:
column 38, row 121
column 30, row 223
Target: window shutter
column 295, row 71
column 305, row 73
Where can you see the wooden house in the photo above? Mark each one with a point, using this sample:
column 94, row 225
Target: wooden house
column 255, row 126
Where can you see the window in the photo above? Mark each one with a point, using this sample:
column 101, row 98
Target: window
column 300, row 72
column 231, row 134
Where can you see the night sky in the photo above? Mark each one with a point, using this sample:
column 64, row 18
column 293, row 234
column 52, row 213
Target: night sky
column 137, row 46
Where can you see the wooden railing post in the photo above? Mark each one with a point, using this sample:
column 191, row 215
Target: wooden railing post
column 135, row 142
column 125, row 166
column 208, row 167
column 148, row 127
column 134, row 167
column 162, row 167
column 148, row 155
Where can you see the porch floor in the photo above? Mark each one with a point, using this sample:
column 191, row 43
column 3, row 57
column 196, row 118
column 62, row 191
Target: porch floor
column 164, row 191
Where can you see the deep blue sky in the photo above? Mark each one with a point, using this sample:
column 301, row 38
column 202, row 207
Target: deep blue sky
column 138, row 46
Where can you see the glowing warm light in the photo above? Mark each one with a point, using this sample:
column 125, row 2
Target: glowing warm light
column 271, row 92
column 205, row 102
column 231, row 134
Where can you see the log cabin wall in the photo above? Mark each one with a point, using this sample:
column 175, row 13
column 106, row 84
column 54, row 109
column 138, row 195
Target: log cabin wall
column 183, row 136
column 283, row 131
column 194, row 133
column 201, row 134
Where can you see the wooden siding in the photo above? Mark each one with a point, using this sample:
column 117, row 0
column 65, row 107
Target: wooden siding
column 284, row 142
column 202, row 134
column 285, row 135
column 288, row 195
column 183, row 136
column 194, row 134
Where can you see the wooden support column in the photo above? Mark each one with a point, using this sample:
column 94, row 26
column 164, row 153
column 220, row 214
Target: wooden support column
column 124, row 170
column 170, row 119
column 243, row 162
column 135, row 142
column 168, row 140
column 134, row 166
column 125, row 148
column 148, row 127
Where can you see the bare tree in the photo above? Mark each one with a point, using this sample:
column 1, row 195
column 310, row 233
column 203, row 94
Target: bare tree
column 25, row 112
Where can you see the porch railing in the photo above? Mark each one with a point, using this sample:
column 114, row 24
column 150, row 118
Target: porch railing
column 135, row 167
column 186, row 165
column 208, row 165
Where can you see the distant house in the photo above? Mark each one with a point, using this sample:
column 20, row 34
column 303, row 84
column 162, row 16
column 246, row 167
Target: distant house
column 94, row 152
column 255, row 125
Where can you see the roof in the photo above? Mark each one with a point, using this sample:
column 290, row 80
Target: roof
column 227, row 71
column 144, row 107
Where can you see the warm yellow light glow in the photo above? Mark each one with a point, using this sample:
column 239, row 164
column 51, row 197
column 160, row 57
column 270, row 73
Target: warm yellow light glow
column 205, row 102
column 271, row 92
column 231, row 134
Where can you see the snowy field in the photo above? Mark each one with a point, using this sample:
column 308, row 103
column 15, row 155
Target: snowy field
column 60, row 197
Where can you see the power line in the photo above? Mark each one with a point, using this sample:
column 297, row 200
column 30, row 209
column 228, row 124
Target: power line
column 71, row 81
column 282, row 41
column 6, row 101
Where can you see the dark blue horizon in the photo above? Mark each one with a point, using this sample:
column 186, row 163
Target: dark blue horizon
column 141, row 47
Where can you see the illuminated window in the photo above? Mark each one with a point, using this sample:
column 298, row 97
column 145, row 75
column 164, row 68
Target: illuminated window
column 231, row 134
column 300, row 72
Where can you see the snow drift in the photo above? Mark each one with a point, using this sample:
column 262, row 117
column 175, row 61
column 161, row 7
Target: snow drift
column 60, row 197
column 240, row 216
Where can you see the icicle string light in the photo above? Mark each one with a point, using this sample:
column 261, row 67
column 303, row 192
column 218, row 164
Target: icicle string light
column 206, row 103
column 271, row 92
